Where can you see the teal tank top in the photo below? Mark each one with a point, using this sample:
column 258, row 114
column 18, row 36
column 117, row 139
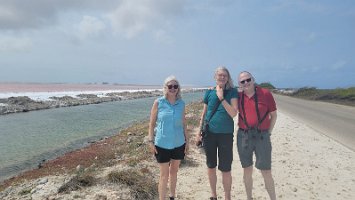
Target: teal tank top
column 169, row 128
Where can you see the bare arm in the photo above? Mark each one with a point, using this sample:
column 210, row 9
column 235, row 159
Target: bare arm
column 273, row 117
column 231, row 108
column 152, row 123
column 185, row 131
column 204, row 111
column 153, row 120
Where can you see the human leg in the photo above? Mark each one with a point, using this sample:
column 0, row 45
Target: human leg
column 163, row 179
column 177, row 155
column 269, row 183
column 212, row 178
column 248, row 181
column 225, row 156
column 210, row 146
column 174, row 167
column 245, row 146
column 263, row 162
column 227, row 184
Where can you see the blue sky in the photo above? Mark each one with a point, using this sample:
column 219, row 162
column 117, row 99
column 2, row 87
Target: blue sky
column 290, row 43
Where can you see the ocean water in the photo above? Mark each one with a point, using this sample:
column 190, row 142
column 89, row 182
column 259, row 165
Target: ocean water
column 28, row 138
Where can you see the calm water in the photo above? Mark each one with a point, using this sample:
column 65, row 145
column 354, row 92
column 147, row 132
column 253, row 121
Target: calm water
column 28, row 138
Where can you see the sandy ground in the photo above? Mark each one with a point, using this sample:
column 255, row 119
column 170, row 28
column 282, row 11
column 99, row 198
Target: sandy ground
column 306, row 165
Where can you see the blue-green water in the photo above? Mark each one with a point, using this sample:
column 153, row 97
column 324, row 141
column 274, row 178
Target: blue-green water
column 28, row 138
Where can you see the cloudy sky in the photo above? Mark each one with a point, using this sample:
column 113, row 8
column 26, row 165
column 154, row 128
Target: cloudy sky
column 290, row 43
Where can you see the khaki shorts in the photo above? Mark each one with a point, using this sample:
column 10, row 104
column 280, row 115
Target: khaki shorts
column 256, row 141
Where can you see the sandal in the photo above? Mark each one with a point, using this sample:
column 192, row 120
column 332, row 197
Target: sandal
column 213, row 198
column 171, row 198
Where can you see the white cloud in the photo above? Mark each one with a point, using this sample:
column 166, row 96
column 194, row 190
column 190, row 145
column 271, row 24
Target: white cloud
column 307, row 6
column 127, row 17
column 163, row 37
column 311, row 37
column 90, row 27
column 14, row 44
column 133, row 17
column 22, row 15
column 338, row 65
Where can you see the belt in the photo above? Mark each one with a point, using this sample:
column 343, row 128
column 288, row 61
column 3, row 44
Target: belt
column 253, row 129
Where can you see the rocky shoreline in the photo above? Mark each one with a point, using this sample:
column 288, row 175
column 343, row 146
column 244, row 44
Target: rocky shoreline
column 26, row 104
column 117, row 167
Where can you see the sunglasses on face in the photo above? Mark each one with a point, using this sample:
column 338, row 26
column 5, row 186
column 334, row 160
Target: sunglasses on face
column 245, row 81
column 173, row 86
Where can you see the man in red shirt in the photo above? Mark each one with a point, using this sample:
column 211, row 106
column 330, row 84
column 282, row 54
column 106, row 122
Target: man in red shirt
column 257, row 118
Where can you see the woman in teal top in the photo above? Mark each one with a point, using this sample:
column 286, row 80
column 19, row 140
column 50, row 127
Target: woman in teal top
column 219, row 137
column 167, row 135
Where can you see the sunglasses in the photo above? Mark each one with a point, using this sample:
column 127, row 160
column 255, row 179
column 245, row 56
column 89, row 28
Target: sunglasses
column 245, row 81
column 173, row 86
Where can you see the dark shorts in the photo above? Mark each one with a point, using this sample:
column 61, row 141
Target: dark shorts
column 223, row 144
column 254, row 141
column 165, row 155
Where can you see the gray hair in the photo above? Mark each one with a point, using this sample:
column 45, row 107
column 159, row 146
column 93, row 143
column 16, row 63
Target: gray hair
column 246, row 72
column 229, row 83
column 165, row 87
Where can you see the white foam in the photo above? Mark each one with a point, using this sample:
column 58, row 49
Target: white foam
column 45, row 96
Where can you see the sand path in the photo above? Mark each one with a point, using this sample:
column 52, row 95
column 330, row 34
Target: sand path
column 306, row 165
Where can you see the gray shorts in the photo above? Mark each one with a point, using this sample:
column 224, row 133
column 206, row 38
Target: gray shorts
column 252, row 141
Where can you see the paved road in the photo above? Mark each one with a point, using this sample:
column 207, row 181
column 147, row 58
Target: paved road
column 332, row 120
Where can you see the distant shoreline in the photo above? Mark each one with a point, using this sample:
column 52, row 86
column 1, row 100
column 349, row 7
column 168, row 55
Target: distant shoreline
column 61, row 87
column 24, row 97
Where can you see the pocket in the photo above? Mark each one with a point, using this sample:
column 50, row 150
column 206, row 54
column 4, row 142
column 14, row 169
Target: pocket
column 245, row 140
column 241, row 143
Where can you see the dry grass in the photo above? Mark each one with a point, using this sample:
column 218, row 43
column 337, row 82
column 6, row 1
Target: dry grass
column 142, row 186
column 76, row 183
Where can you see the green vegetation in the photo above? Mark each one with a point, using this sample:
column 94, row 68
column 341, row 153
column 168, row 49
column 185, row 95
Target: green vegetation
column 344, row 96
column 25, row 191
column 267, row 85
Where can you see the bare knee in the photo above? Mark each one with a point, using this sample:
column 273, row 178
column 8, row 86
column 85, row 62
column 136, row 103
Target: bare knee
column 248, row 172
column 174, row 166
column 266, row 174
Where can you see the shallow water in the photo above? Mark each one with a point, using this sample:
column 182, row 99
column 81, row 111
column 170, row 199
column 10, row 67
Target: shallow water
column 28, row 138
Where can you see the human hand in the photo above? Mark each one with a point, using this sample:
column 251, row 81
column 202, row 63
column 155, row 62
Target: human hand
column 187, row 147
column 219, row 92
column 198, row 139
column 152, row 147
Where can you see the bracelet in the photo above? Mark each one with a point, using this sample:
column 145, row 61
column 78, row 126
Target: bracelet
column 151, row 141
column 222, row 100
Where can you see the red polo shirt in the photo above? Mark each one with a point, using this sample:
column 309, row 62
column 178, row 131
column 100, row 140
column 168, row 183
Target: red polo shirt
column 266, row 103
